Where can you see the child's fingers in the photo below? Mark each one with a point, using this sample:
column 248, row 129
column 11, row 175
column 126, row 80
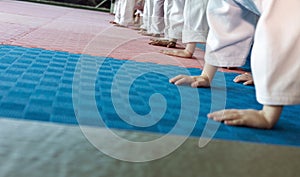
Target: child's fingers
column 216, row 114
column 174, row 79
column 229, row 117
column 249, row 82
column 224, row 115
column 181, row 79
column 243, row 78
column 236, row 79
column 240, row 78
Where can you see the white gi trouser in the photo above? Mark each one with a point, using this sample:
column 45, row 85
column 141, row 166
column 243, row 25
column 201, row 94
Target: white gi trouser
column 175, row 18
column 117, row 11
column 275, row 58
column 147, row 14
column 124, row 12
column 158, row 24
column 113, row 6
column 167, row 11
column 186, row 20
column 195, row 27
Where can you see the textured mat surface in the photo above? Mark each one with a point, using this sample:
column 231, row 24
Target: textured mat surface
column 78, row 31
column 59, row 150
column 54, row 86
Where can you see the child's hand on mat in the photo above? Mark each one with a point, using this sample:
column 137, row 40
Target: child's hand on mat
column 246, row 78
column 193, row 81
column 265, row 118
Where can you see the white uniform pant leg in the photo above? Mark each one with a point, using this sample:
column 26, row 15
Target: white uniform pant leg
column 231, row 33
column 195, row 28
column 117, row 11
column 276, row 53
column 127, row 9
column 158, row 25
column 176, row 19
column 113, row 7
column 145, row 15
column 167, row 12
column 148, row 11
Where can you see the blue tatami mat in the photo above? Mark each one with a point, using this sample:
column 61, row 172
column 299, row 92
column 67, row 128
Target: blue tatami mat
column 54, row 86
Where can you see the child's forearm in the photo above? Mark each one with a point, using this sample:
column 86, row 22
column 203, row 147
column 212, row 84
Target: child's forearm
column 271, row 114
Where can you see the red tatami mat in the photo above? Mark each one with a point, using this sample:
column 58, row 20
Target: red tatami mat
column 79, row 31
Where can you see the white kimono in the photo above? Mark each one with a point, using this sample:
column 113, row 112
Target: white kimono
column 195, row 27
column 124, row 12
column 147, row 14
column 186, row 20
column 174, row 18
column 158, row 24
column 275, row 59
column 117, row 11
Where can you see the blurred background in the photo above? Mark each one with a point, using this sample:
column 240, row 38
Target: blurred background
column 90, row 4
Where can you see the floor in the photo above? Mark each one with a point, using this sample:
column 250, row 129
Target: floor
column 70, row 67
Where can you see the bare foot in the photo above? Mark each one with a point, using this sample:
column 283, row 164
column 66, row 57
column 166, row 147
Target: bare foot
column 118, row 25
column 113, row 22
column 171, row 44
column 146, row 34
column 178, row 53
column 163, row 43
column 158, row 40
column 137, row 28
column 142, row 31
column 155, row 35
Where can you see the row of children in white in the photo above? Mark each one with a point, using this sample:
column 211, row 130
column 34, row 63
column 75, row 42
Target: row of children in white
column 178, row 20
column 272, row 27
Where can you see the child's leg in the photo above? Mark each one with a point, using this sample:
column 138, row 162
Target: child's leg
column 127, row 10
column 158, row 25
column 167, row 12
column 176, row 19
column 173, row 14
column 117, row 11
column 167, row 41
column 195, row 27
column 145, row 16
column 148, row 15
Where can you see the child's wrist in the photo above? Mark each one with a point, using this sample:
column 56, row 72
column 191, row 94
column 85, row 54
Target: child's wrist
column 205, row 77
